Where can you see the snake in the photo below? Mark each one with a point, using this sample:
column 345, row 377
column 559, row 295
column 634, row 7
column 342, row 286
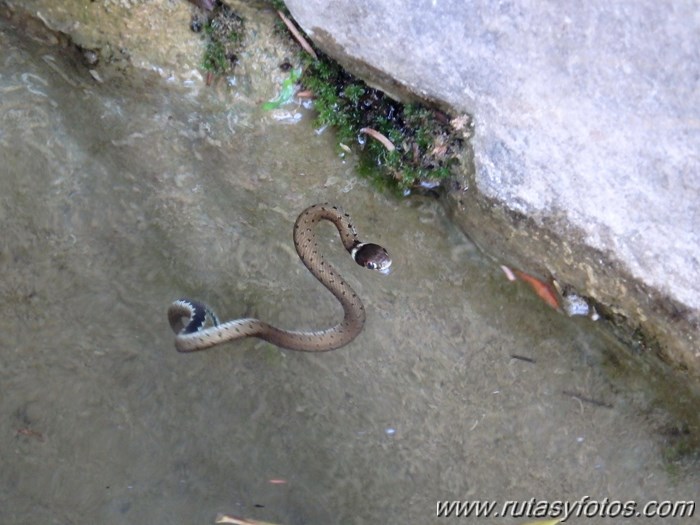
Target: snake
column 197, row 327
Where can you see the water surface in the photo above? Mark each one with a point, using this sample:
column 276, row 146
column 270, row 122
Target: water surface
column 118, row 198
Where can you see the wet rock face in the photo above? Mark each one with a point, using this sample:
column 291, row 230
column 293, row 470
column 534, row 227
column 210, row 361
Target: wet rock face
column 586, row 123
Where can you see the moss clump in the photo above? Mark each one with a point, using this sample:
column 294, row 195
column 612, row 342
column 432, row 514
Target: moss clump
column 427, row 142
column 224, row 32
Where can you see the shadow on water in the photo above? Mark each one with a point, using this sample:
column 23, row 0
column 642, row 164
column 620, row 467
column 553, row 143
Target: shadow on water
column 119, row 198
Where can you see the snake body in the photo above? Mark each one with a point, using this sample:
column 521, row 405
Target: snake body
column 187, row 318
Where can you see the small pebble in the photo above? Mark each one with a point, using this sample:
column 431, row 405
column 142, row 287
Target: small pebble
column 91, row 57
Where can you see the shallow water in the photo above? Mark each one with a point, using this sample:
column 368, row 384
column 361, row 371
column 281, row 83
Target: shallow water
column 118, row 198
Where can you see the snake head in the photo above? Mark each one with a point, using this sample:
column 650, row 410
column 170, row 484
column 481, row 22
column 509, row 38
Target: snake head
column 372, row 256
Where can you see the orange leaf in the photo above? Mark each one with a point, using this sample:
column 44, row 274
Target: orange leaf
column 544, row 290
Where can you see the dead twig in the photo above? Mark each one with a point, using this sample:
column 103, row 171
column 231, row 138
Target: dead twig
column 378, row 136
column 523, row 358
column 28, row 432
column 296, row 34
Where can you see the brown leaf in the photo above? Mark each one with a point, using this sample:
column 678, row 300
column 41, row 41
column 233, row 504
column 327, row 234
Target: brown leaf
column 378, row 136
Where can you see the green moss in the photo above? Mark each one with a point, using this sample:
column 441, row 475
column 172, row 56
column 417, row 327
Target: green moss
column 426, row 144
column 215, row 60
column 224, row 31
column 353, row 92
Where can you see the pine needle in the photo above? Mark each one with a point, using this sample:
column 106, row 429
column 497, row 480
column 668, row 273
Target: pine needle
column 296, row 34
